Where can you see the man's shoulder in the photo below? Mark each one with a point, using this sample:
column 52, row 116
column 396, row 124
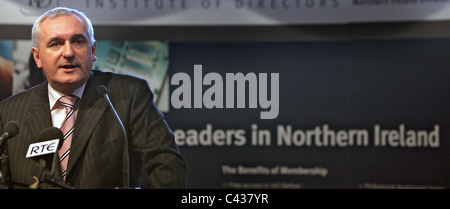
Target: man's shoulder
column 20, row 96
column 115, row 75
column 122, row 84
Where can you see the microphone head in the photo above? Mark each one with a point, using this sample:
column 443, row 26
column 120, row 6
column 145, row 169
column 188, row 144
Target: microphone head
column 12, row 128
column 102, row 90
column 52, row 133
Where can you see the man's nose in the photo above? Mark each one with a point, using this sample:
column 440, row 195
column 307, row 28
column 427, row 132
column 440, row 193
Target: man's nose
column 68, row 51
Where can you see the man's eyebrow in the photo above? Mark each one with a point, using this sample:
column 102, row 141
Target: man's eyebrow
column 54, row 39
column 75, row 36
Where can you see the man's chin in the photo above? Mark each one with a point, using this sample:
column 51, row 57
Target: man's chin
column 68, row 86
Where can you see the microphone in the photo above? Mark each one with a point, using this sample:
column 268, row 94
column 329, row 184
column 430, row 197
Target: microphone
column 50, row 141
column 53, row 133
column 103, row 92
column 11, row 130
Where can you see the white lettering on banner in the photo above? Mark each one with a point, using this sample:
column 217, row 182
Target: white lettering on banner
column 406, row 138
column 209, row 137
column 275, row 170
column 42, row 148
column 213, row 97
column 320, row 136
column 324, row 137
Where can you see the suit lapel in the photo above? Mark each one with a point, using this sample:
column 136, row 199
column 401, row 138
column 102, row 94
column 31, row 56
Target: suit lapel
column 91, row 109
column 39, row 109
column 39, row 118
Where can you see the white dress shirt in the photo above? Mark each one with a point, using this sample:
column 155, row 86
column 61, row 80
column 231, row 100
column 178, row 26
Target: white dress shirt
column 58, row 112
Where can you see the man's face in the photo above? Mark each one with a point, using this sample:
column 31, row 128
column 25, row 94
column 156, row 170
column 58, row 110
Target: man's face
column 65, row 53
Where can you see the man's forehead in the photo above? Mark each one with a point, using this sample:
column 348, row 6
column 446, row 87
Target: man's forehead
column 63, row 26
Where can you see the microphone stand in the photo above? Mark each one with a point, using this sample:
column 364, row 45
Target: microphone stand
column 2, row 181
column 50, row 179
column 40, row 174
column 4, row 173
column 126, row 157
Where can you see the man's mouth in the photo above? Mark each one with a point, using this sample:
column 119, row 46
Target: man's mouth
column 69, row 66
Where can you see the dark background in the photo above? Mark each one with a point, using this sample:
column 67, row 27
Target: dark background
column 345, row 84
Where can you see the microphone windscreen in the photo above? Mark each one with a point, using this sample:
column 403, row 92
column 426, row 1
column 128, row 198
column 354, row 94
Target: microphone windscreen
column 101, row 90
column 12, row 128
column 52, row 133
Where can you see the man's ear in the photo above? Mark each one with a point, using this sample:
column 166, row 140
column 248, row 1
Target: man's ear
column 36, row 56
column 94, row 48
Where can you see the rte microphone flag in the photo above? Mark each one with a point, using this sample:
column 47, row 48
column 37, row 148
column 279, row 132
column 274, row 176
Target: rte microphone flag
column 48, row 142
column 43, row 148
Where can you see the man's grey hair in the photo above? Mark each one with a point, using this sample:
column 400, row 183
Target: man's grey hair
column 36, row 33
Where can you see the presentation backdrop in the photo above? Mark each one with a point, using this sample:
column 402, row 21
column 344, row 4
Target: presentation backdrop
column 355, row 114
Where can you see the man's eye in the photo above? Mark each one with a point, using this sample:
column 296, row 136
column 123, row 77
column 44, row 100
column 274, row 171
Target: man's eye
column 54, row 44
column 79, row 41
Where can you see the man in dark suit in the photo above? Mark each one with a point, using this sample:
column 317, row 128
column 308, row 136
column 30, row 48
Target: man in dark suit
column 64, row 46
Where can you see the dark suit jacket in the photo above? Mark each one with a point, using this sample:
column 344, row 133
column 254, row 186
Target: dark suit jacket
column 97, row 147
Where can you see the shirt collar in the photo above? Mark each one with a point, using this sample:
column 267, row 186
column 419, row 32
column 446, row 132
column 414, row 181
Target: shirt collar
column 54, row 95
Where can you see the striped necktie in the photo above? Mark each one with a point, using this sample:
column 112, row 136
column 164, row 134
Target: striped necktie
column 68, row 102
